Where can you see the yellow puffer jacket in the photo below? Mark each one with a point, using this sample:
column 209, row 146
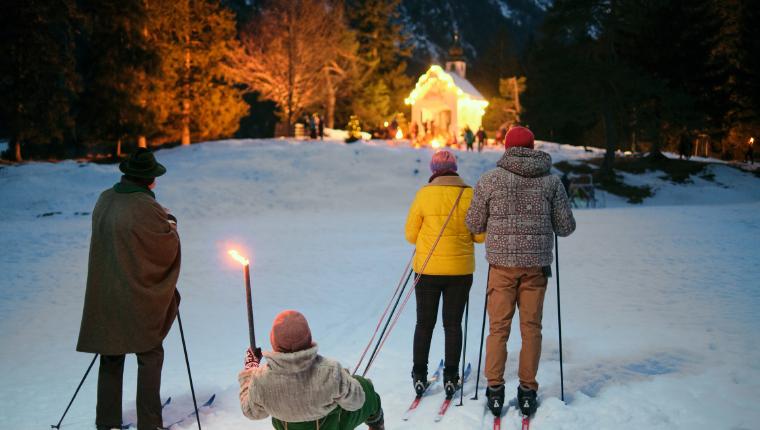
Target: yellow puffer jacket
column 455, row 253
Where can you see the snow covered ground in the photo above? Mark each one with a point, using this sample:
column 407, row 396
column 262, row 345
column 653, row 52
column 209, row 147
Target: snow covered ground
column 659, row 301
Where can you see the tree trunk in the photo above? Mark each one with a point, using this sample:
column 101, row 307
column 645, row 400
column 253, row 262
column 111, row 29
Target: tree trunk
column 118, row 148
column 291, row 71
column 330, row 102
column 17, row 151
column 516, row 90
column 186, row 85
column 610, row 134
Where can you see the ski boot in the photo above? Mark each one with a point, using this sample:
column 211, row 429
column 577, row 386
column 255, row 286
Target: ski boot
column 495, row 397
column 527, row 400
column 450, row 381
column 377, row 421
column 420, row 381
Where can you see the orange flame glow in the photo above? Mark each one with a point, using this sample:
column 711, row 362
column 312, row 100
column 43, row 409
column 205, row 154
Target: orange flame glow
column 239, row 258
column 399, row 134
column 435, row 144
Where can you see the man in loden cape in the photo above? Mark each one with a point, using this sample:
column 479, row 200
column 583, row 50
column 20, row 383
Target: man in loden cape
column 131, row 299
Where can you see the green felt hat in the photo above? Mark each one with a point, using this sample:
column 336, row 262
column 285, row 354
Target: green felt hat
column 142, row 164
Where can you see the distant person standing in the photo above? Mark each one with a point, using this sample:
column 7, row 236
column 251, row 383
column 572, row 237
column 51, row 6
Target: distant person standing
column 131, row 298
column 520, row 206
column 501, row 133
column 321, row 127
column 448, row 272
column 685, row 147
column 469, row 138
column 481, row 136
column 313, row 126
column 749, row 156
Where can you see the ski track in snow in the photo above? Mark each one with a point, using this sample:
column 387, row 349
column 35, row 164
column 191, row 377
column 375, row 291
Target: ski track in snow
column 659, row 301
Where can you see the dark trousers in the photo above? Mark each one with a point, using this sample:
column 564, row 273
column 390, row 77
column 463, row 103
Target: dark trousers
column 110, row 375
column 455, row 291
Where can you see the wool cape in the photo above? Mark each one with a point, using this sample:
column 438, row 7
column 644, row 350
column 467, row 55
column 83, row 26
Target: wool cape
column 455, row 252
column 131, row 298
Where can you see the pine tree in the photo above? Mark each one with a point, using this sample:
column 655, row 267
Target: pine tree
column 384, row 50
column 507, row 108
column 735, row 57
column 117, row 64
column 38, row 78
column 192, row 95
column 667, row 43
column 577, row 81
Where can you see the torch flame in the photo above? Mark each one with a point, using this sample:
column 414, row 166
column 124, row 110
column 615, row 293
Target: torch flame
column 399, row 134
column 239, row 258
column 435, row 144
column 751, row 140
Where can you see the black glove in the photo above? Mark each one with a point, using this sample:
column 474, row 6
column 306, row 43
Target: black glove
column 252, row 358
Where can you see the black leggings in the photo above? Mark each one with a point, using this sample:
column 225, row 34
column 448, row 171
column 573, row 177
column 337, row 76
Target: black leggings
column 455, row 291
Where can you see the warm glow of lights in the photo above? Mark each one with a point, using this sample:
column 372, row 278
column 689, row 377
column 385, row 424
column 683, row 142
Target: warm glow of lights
column 435, row 143
column 399, row 134
column 470, row 108
column 436, row 75
column 385, row 124
column 751, row 140
column 239, row 258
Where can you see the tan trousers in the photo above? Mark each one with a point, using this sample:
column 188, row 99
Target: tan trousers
column 507, row 287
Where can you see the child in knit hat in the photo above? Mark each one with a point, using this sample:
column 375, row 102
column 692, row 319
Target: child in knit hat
column 301, row 389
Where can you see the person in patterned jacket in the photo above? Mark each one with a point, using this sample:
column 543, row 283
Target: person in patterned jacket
column 520, row 206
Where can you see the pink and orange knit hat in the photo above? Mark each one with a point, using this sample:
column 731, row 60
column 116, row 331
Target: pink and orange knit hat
column 443, row 161
column 290, row 332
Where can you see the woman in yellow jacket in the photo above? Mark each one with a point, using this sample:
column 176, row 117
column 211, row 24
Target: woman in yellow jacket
column 448, row 272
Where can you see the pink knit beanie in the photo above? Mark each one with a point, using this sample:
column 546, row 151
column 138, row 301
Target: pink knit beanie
column 290, row 332
column 519, row 136
column 443, row 161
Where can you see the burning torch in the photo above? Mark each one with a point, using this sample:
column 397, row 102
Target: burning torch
column 249, row 299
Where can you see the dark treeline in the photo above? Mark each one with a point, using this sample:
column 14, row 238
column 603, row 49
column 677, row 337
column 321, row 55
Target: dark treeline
column 84, row 78
column 98, row 77
column 641, row 75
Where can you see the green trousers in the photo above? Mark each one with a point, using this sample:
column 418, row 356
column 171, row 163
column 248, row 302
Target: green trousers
column 339, row 418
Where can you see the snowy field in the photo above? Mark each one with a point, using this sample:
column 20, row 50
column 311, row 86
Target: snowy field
column 660, row 301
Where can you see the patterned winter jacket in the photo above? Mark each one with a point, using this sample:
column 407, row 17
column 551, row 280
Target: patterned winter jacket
column 298, row 386
column 520, row 206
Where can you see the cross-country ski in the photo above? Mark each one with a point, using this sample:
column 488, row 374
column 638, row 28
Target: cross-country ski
column 418, row 398
column 447, row 402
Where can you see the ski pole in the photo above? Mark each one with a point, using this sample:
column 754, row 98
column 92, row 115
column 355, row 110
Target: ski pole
column 189, row 375
column 464, row 348
column 416, row 281
column 385, row 312
column 559, row 321
column 87, row 372
column 387, row 322
column 482, row 335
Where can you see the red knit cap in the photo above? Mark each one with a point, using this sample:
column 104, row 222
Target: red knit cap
column 290, row 332
column 519, row 136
